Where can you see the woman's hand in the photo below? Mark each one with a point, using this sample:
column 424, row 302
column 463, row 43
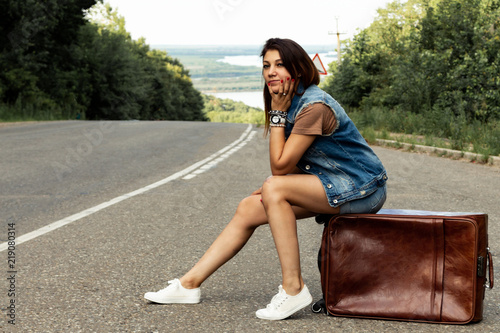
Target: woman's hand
column 285, row 154
column 283, row 98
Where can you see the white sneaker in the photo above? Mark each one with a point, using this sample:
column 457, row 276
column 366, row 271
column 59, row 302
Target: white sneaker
column 174, row 293
column 283, row 305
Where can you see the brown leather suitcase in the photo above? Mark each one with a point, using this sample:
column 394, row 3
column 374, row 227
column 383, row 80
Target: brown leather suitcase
column 407, row 265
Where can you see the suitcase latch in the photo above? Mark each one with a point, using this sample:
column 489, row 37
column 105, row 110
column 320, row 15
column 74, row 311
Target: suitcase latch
column 481, row 272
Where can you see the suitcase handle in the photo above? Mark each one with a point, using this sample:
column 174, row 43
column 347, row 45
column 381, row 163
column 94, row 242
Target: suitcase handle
column 490, row 264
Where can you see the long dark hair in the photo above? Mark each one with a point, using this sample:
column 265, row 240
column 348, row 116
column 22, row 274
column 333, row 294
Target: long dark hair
column 296, row 61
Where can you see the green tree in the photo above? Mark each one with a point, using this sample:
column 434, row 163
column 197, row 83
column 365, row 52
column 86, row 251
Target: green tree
column 420, row 55
column 58, row 65
column 115, row 81
column 131, row 81
column 356, row 77
column 36, row 39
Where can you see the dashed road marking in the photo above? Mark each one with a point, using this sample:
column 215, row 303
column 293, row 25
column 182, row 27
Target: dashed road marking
column 187, row 173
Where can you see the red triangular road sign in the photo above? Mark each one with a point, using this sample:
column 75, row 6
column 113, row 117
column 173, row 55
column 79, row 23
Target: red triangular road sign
column 319, row 65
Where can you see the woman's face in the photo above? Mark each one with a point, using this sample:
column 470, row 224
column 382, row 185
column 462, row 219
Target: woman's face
column 273, row 70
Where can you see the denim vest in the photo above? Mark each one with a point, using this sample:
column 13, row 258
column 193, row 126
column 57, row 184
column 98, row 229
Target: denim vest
column 347, row 167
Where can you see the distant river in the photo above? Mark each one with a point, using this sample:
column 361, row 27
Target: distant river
column 255, row 60
column 252, row 98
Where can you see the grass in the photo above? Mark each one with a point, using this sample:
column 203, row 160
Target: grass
column 410, row 130
column 17, row 113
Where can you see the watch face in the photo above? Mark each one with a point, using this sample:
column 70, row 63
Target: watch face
column 275, row 119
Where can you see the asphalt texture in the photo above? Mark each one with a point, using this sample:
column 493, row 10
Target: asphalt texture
column 91, row 275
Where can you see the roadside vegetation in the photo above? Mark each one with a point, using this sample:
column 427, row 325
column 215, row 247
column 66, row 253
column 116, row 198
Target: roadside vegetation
column 428, row 70
column 229, row 111
column 59, row 64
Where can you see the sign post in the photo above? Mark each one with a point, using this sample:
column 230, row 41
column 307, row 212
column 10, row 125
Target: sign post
column 338, row 33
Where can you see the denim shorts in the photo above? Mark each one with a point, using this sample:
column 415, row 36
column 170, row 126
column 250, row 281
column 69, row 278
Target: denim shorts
column 367, row 205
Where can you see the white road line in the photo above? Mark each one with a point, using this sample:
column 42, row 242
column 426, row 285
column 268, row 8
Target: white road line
column 222, row 157
column 211, row 161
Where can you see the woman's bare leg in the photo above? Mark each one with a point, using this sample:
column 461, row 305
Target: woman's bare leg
column 280, row 194
column 249, row 215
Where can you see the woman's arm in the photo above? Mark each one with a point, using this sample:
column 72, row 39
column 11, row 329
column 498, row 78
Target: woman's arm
column 285, row 154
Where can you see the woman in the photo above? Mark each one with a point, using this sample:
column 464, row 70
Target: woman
column 320, row 164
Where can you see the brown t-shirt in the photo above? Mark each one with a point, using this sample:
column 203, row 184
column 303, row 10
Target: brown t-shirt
column 317, row 119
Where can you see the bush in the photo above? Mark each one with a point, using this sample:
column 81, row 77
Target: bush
column 229, row 111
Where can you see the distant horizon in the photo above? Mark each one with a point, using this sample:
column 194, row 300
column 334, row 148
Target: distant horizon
column 232, row 50
column 231, row 45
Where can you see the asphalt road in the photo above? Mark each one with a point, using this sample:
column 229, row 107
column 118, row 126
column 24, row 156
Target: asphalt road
column 90, row 275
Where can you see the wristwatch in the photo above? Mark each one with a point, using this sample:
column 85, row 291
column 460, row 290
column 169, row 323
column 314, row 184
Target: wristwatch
column 278, row 120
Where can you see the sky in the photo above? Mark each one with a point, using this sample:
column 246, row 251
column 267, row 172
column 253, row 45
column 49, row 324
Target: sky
column 245, row 22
